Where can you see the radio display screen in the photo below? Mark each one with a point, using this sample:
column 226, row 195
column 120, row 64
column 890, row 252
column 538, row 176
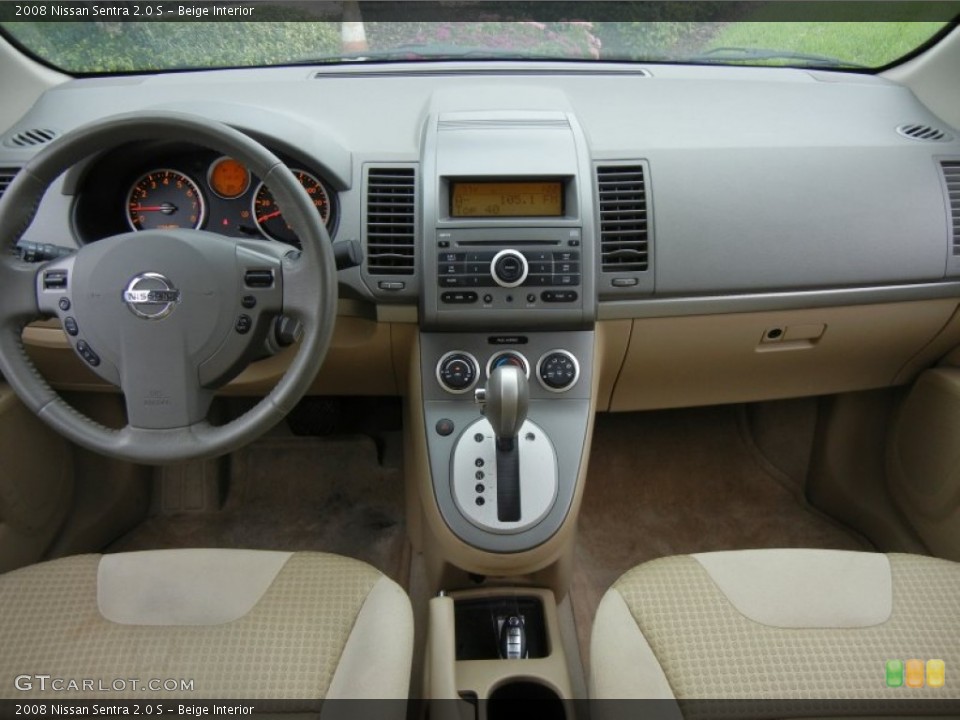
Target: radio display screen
column 502, row 198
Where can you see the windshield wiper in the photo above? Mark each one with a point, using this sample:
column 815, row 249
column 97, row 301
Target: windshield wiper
column 733, row 54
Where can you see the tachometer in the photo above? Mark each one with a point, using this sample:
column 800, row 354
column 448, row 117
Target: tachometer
column 164, row 199
column 268, row 217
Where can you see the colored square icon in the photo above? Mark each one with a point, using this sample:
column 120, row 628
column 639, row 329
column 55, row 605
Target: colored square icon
column 936, row 673
column 915, row 673
column 894, row 673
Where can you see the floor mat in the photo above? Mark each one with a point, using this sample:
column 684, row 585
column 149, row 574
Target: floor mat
column 327, row 494
column 681, row 481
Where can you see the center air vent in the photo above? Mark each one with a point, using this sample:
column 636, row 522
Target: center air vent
column 391, row 220
column 624, row 236
column 6, row 177
column 927, row 133
column 31, row 138
column 951, row 178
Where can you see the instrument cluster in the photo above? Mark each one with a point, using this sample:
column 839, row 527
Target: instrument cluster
column 189, row 188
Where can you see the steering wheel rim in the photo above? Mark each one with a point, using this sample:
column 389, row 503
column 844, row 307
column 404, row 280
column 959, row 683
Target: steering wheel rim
column 309, row 290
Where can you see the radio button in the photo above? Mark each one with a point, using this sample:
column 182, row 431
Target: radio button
column 567, row 268
column 459, row 298
column 566, row 256
column 452, row 257
column 449, row 281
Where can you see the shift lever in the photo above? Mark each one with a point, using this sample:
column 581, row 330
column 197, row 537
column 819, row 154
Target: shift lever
column 505, row 399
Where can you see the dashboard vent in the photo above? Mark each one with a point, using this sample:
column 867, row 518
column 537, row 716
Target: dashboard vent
column 951, row 178
column 391, row 220
column 6, row 177
column 624, row 236
column 31, row 138
column 927, row 133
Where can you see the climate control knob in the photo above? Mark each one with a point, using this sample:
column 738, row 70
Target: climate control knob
column 558, row 371
column 509, row 268
column 457, row 372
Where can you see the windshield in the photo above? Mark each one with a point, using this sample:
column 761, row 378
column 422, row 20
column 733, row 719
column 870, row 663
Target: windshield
column 105, row 37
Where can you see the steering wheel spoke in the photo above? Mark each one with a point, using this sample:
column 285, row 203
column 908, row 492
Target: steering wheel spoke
column 19, row 301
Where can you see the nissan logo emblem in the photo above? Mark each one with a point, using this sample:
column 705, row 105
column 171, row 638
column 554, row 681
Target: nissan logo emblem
column 151, row 296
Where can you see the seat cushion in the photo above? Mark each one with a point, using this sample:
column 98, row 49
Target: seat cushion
column 785, row 624
column 237, row 623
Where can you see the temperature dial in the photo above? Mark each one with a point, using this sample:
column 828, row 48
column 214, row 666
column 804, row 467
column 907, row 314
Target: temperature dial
column 558, row 371
column 457, row 372
column 508, row 357
column 509, row 268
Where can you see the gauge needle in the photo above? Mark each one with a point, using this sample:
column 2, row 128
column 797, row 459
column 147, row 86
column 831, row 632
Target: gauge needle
column 264, row 218
column 165, row 208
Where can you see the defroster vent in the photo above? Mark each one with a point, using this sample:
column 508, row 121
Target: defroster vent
column 391, row 220
column 951, row 178
column 624, row 235
column 6, row 177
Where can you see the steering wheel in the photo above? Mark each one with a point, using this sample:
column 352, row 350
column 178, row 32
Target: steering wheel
column 166, row 315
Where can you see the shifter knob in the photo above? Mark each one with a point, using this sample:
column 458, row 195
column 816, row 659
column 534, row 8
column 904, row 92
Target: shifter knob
column 506, row 399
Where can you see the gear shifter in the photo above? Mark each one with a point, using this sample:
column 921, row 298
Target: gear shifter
column 505, row 399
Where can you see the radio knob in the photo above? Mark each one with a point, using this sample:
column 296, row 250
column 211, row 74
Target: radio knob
column 509, row 268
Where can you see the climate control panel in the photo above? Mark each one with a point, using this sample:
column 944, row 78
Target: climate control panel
column 458, row 371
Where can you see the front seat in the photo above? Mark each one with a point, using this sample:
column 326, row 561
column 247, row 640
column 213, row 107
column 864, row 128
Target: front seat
column 779, row 624
column 234, row 624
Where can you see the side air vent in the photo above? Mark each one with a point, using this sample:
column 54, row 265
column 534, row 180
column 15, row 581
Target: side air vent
column 951, row 178
column 6, row 177
column 391, row 220
column 31, row 138
column 927, row 133
column 624, row 236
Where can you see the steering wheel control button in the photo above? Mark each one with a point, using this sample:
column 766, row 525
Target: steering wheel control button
column 70, row 325
column 87, row 353
column 64, row 304
column 445, row 427
column 151, row 296
column 248, row 301
column 258, row 279
column 558, row 371
column 243, row 325
column 55, row 280
column 457, row 372
column 509, row 268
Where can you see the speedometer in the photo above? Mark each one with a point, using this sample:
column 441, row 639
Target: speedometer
column 267, row 214
column 165, row 199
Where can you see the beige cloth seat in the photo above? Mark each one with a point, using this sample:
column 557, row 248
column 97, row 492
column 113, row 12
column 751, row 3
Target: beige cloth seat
column 239, row 624
column 776, row 624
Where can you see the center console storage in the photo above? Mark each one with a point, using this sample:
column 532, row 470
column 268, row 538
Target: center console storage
column 492, row 647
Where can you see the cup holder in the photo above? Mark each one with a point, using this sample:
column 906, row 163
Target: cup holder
column 525, row 699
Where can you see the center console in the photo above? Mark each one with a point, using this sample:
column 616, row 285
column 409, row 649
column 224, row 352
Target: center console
column 503, row 380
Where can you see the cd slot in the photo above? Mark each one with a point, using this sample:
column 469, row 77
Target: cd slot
column 512, row 243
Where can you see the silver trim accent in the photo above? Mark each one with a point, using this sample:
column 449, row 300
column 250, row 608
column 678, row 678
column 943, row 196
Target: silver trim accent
column 539, row 477
column 476, row 373
column 762, row 302
column 166, row 298
column 497, row 279
column 501, row 353
column 200, row 198
column 576, row 367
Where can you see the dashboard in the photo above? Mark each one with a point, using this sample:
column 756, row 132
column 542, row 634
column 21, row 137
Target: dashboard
column 733, row 233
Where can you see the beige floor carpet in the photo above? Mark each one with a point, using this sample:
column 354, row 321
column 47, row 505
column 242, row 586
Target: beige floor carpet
column 327, row 494
column 681, row 481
